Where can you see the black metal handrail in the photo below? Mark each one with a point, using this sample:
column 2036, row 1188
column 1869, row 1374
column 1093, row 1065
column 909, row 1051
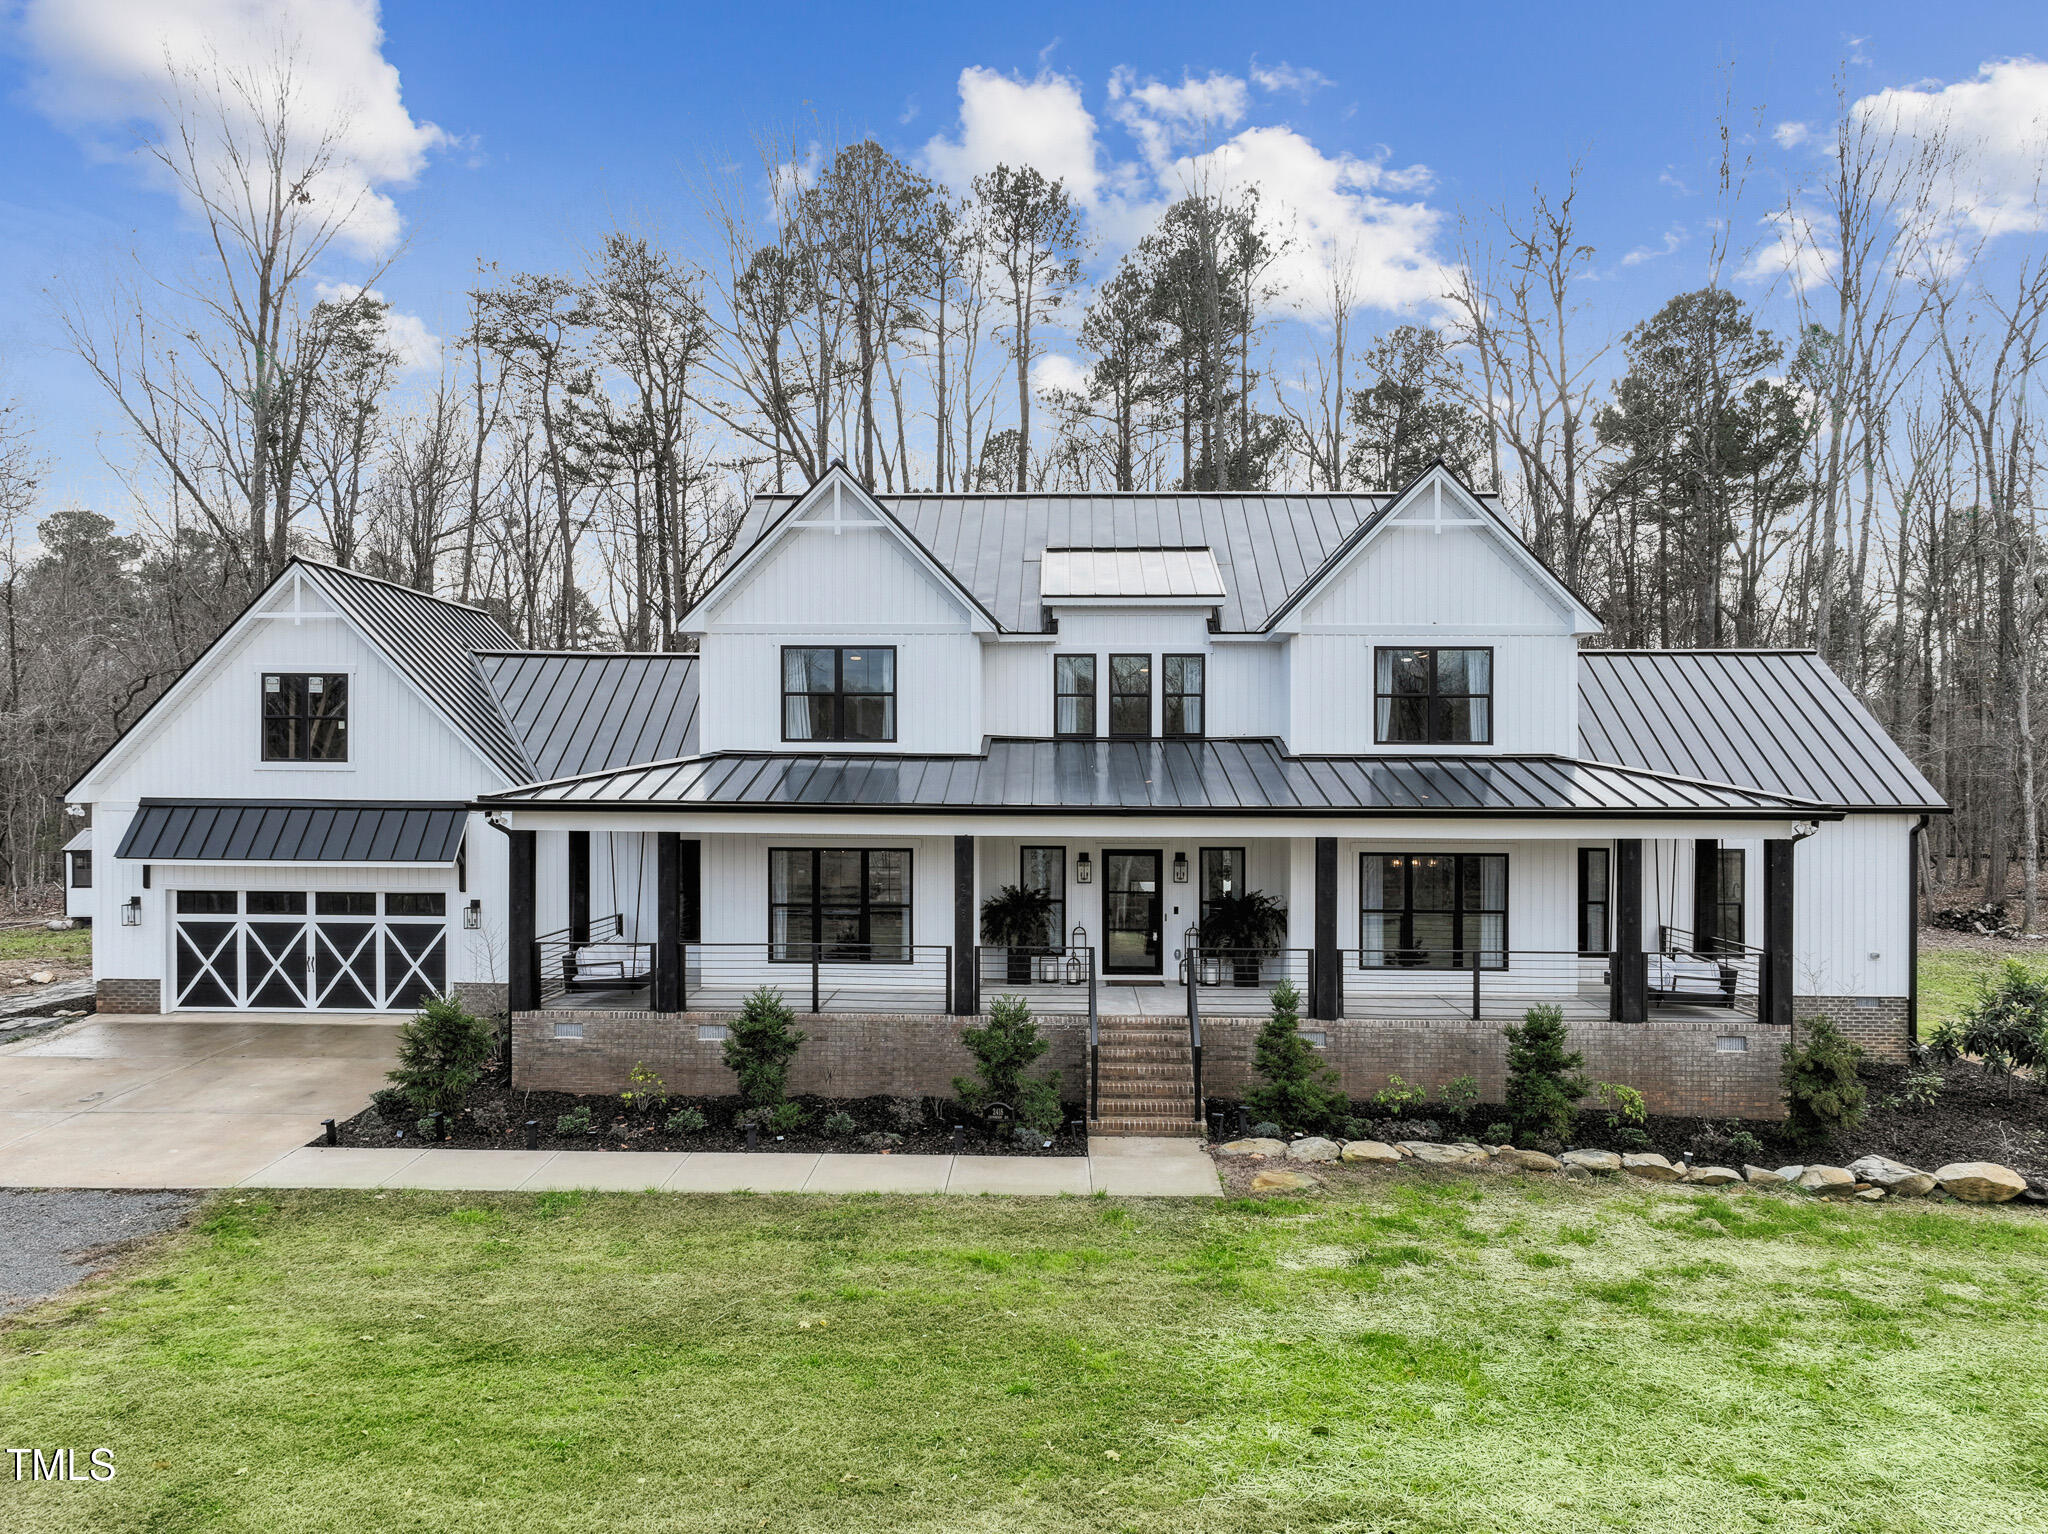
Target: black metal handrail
column 564, row 961
column 1518, row 976
column 832, row 976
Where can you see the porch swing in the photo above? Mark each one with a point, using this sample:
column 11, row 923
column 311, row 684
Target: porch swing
column 1681, row 974
column 612, row 963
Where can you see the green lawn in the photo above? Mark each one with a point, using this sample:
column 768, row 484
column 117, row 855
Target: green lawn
column 1414, row 1355
column 73, row 947
column 1949, row 978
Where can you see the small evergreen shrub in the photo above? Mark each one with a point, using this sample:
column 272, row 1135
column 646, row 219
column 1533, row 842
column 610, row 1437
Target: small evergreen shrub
column 1823, row 1096
column 1007, row 1046
column 759, row 1044
column 1295, row 1088
column 390, row 1104
column 685, row 1121
column 840, row 1124
column 786, row 1118
column 1266, row 1129
column 1499, row 1134
column 1544, row 1081
column 443, row 1051
column 576, row 1121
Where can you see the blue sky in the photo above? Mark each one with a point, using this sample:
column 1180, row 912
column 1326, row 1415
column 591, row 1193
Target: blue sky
column 513, row 132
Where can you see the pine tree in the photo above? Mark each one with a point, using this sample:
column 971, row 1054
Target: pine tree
column 1002, row 1052
column 442, row 1053
column 1545, row 1082
column 1298, row 1091
column 759, row 1044
column 1823, row 1096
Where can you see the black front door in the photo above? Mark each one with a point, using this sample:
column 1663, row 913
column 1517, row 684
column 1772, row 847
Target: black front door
column 1131, row 925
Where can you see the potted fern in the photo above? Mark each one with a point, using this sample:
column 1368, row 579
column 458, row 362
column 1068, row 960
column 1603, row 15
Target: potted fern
column 1017, row 919
column 1248, row 928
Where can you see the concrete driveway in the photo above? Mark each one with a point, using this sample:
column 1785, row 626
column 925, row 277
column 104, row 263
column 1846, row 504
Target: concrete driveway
column 174, row 1102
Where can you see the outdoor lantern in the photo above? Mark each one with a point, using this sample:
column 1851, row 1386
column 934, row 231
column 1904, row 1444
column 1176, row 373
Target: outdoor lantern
column 1076, row 970
column 131, row 913
column 1084, row 870
column 473, row 915
column 1180, row 868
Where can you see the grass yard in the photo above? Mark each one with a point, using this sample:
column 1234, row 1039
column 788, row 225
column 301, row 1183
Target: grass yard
column 1410, row 1355
column 1950, row 976
column 72, row 947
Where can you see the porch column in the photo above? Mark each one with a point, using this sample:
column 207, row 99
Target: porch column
column 522, row 960
column 668, row 922
column 579, row 886
column 1776, row 978
column 1706, row 890
column 966, row 1000
column 1628, row 998
column 1327, row 1000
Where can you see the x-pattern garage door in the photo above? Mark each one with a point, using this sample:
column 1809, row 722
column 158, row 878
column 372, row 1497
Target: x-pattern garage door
column 284, row 950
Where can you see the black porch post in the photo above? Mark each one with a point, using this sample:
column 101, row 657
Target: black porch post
column 579, row 886
column 668, row 921
column 1628, row 994
column 1327, row 971
column 966, row 993
column 1706, row 893
column 1776, row 981
column 522, row 961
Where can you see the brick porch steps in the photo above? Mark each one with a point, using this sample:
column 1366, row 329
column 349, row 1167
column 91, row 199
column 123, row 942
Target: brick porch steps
column 1147, row 1084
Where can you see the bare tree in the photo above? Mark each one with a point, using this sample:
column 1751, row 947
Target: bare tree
column 1033, row 232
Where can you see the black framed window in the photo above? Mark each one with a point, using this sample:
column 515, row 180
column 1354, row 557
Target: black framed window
column 1181, row 695
column 276, row 903
column 1595, row 899
column 839, row 904
column 1433, row 910
column 1073, row 694
column 421, row 903
column 1130, row 696
column 81, row 870
column 838, row 692
column 345, row 903
column 1432, row 697
column 1729, row 926
column 1222, row 874
column 1045, row 868
column 305, row 716
column 209, row 902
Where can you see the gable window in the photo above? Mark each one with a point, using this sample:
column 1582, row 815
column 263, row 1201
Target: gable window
column 840, row 905
column 1222, row 874
column 1045, row 868
column 1594, row 899
column 305, row 717
column 1073, row 694
column 81, row 870
column 1130, row 696
column 1433, row 910
column 846, row 692
column 1181, row 695
column 1433, row 697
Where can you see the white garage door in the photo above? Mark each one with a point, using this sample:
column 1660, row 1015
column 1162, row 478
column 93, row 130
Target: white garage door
column 325, row 950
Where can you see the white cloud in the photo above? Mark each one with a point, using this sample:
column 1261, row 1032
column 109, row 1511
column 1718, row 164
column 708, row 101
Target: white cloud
column 1791, row 135
column 1161, row 117
column 100, row 69
column 1053, row 371
column 1289, row 79
column 1995, row 126
column 418, row 349
column 1007, row 121
column 1673, row 238
column 1793, row 247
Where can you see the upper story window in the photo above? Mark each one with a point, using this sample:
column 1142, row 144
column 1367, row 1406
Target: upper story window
column 1181, row 698
column 847, row 692
column 1073, row 694
column 305, row 717
column 1433, row 697
column 1130, row 695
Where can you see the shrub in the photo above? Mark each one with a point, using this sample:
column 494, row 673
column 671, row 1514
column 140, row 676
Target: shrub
column 647, row 1092
column 1266, row 1129
column 1918, row 1091
column 1397, row 1098
column 839, row 1124
column 685, row 1121
column 390, row 1104
column 576, row 1121
column 1622, row 1104
column 1499, row 1134
column 2006, row 1026
column 786, row 1118
column 1295, row 1087
column 759, row 1044
column 1003, row 1050
column 1822, row 1095
column 880, row 1140
column 1544, row 1083
column 443, row 1051
column 1459, row 1095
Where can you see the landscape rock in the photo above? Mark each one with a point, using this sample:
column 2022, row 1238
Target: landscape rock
column 42, row 977
column 1827, row 1181
column 1428, row 1151
column 1314, row 1148
column 1980, row 1182
column 1650, row 1166
column 1895, row 1177
column 1253, row 1148
column 1278, row 1179
column 1713, row 1176
column 1790, row 1173
column 1578, row 1173
column 1369, row 1150
column 1592, row 1160
column 1527, row 1160
column 1763, row 1177
column 1871, row 1195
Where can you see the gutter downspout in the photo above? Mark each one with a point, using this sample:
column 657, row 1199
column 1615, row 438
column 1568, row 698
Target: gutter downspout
column 1913, row 930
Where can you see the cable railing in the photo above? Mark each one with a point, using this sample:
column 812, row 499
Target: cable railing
column 818, row 976
column 598, row 960
column 1711, row 972
column 1479, row 984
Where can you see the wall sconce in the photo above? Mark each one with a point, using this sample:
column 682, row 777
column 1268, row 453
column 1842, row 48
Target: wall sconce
column 473, row 915
column 1180, row 868
column 131, row 912
column 1084, row 870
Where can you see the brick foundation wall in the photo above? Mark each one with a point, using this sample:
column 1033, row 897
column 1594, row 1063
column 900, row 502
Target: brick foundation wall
column 1679, row 1067
column 857, row 1055
column 128, row 996
column 1877, row 1023
column 484, row 998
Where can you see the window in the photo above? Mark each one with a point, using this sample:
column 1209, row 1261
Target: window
column 840, row 905
column 1222, row 874
column 1045, row 868
column 435, row 904
column 81, row 870
column 1433, row 910
column 1433, row 697
column 345, row 903
column 843, row 693
column 1181, row 697
column 208, row 902
column 277, row 903
column 1130, row 695
column 1594, row 899
column 305, row 717
column 1073, row 694
column 1728, row 927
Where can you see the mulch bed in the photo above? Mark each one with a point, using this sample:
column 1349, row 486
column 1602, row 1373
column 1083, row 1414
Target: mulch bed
column 494, row 1117
column 1976, row 1116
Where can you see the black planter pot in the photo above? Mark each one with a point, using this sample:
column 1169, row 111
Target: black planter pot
column 1017, row 966
column 1245, row 972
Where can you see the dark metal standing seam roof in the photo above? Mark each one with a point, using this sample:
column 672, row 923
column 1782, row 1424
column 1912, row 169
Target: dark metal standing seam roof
column 293, row 831
column 1156, row 777
column 1778, row 719
column 576, row 713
